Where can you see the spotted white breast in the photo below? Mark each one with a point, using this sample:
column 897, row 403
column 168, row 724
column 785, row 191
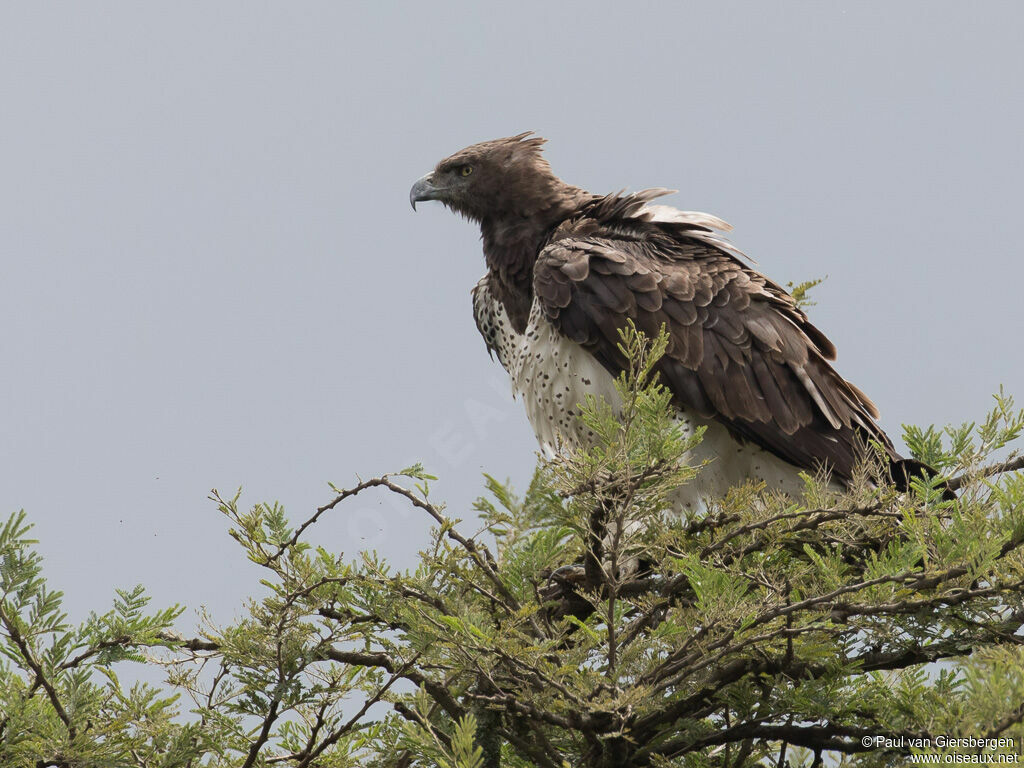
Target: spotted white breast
column 552, row 375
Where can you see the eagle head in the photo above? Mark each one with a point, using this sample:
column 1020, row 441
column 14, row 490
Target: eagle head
column 492, row 179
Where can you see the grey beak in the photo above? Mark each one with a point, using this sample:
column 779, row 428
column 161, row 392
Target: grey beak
column 424, row 189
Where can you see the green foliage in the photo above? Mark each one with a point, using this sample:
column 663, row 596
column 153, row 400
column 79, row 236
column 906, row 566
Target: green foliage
column 61, row 702
column 959, row 449
column 581, row 626
column 801, row 292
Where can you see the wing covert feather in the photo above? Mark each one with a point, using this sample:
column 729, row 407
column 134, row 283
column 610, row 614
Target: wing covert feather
column 740, row 350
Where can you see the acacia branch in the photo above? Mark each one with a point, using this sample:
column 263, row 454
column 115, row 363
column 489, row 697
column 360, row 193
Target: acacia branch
column 810, row 519
column 122, row 640
column 264, row 734
column 813, row 737
column 1010, row 465
column 479, row 553
column 348, row 725
column 41, row 679
column 194, row 644
column 712, row 522
column 436, row 691
column 345, row 494
column 1016, row 716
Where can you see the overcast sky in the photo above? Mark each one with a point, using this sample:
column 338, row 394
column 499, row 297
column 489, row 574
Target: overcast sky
column 212, row 276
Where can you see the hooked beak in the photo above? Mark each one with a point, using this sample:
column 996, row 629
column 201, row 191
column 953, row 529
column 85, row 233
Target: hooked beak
column 424, row 189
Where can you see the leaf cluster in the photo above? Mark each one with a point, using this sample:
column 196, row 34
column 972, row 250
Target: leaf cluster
column 579, row 624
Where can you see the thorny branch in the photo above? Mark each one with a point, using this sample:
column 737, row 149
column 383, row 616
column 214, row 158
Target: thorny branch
column 715, row 654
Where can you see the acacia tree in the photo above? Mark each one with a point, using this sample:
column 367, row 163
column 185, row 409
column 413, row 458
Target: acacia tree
column 578, row 626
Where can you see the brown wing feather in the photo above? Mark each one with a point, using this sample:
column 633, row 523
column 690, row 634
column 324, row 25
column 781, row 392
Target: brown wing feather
column 739, row 350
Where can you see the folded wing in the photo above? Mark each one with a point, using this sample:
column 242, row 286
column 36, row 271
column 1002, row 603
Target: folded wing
column 740, row 350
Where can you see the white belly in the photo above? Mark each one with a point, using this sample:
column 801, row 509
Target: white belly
column 552, row 375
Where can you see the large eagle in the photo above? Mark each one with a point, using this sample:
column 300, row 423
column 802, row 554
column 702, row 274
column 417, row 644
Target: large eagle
column 566, row 269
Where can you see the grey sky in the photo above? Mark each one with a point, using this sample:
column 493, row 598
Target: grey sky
column 212, row 277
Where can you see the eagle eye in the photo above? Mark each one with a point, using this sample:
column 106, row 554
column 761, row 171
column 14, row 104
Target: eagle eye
column 466, row 170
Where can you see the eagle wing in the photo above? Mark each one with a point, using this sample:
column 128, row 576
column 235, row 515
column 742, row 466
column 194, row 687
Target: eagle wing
column 740, row 351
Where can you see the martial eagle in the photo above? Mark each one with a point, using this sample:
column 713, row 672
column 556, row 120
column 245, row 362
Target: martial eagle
column 567, row 268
